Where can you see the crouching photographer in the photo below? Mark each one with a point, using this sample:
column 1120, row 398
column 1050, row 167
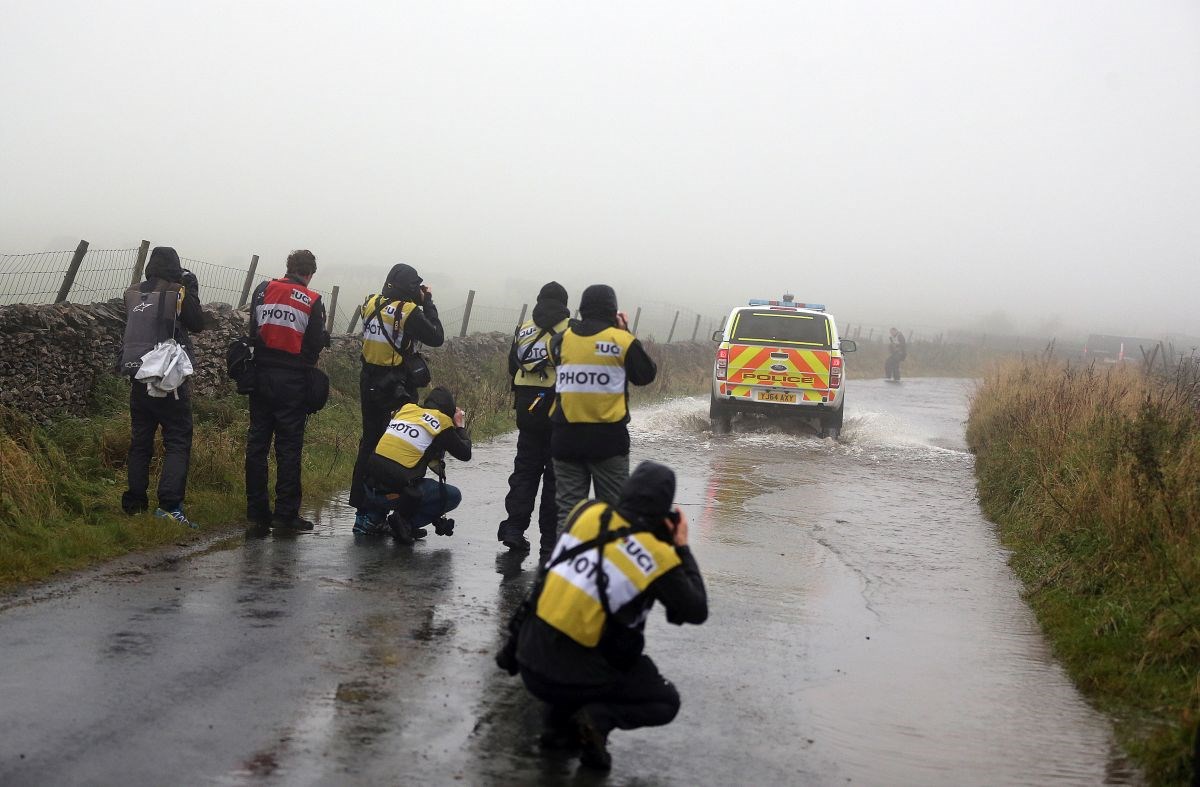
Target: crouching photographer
column 577, row 642
column 397, row 497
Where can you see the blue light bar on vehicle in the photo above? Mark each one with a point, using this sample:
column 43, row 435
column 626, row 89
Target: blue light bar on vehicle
column 820, row 307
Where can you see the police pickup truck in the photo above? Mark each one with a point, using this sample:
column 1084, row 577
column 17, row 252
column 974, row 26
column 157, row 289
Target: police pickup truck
column 782, row 359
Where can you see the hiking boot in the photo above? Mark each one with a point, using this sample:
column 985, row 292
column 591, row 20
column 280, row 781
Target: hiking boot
column 515, row 541
column 402, row 529
column 177, row 514
column 593, row 744
column 364, row 525
column 443, row 526
column 294, row 523
column 260, row 517
column 419, row 532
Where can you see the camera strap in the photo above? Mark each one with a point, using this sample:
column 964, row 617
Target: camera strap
column 379, row 306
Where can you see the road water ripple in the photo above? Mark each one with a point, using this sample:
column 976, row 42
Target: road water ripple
column 864, row 629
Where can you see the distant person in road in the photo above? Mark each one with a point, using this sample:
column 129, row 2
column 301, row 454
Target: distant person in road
column 595, row 360
column 393, row 321
column 897, row 352
column 165, row 306
column 533, row 375
column 415, row 441
column 579, row 647
column 287, row 324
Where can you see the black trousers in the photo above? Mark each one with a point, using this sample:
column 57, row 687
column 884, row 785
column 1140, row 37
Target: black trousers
column 146, row 415
column 641, row 697
column 532, row 466
column 277, row 412
column 375, row 419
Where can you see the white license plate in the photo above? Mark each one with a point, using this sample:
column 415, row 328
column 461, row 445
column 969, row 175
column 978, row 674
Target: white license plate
column 779, row 397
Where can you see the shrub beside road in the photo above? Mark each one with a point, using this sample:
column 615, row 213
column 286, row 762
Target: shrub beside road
column 1093, row 476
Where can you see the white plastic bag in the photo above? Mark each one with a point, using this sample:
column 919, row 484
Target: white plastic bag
column 165, row 368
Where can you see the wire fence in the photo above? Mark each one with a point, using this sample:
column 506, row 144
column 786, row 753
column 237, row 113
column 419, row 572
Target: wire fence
column 88, row 275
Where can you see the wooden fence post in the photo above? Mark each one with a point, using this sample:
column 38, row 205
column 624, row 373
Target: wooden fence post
column 637, row 316
column 671, row 333
column 462, row 331
column 69, row 279
column 332, row 309
column 696, row 328
column 140, row 265
column 249, row 281
column 353, row 321
column 521, row 319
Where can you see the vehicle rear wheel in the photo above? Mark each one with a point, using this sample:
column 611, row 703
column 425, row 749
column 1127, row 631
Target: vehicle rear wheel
column 719, row 416
column 831, row 425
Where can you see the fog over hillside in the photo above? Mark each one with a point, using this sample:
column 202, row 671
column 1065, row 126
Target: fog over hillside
column 1024, row 165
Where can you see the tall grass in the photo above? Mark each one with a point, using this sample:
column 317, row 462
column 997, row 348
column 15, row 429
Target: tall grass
column 1093, row 476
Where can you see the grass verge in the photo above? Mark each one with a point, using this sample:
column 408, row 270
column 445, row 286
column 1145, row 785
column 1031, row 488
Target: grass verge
column 1093, row 476
column 60, row 484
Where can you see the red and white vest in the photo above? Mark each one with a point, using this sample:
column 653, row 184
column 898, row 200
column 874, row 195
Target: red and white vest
column 283, row 315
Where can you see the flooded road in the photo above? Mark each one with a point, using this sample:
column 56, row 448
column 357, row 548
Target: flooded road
column 864, row 629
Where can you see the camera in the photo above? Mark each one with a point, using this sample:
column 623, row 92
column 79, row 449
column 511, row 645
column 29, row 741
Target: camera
column 673, row 515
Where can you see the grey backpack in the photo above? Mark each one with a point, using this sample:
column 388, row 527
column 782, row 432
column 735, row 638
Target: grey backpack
column 149, row 319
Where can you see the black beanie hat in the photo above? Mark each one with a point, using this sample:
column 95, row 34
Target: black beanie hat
column 598, row 301
column 648, row 492
column 442, row 400
column 553, row 291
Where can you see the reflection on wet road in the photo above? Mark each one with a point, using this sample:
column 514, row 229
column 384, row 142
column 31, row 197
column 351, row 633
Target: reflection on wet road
column 865, row 629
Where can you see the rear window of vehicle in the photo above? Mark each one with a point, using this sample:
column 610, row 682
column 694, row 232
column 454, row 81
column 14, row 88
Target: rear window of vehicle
column 776, row 327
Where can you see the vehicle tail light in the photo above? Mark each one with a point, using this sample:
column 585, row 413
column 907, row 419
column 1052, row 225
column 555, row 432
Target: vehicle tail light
column 722, row 367
column 835, row 372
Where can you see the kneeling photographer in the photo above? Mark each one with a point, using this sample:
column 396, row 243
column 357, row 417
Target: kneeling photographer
column 579, row 645
column 393, row 322
column 416, row 440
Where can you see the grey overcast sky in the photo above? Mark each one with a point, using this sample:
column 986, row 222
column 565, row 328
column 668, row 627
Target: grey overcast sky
column 926, row 163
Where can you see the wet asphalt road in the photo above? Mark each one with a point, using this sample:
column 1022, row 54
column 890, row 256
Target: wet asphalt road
column 864, row 629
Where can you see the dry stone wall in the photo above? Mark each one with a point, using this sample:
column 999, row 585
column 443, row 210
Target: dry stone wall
column 51, row 355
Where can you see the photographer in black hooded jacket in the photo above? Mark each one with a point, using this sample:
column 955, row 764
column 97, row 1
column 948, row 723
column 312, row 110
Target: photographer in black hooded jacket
column 173, row 414
column 532, row 373
column 393, row 321
column 579, row 649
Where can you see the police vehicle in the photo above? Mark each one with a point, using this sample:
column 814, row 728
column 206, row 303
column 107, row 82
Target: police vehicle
column 783, row 359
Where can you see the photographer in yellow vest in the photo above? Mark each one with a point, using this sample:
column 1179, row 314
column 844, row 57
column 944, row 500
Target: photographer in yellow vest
column 533, row 395
column 416, row 440
column 595, row 360
column 579, row 647
column 402, row 314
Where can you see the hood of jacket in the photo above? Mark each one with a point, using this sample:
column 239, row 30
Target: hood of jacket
column 599, row 302
column 402, row 283
column 442, row 400
column 647, row 495
column 551, row 307
column 164, row 264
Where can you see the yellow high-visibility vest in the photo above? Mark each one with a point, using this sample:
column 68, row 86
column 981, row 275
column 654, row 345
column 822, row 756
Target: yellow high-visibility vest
column 378, row 329
column 410, row 434
column 570, row 600
column 533, row 354
column 590, row 378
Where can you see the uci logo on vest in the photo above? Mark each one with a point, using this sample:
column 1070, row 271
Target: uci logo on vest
column 433, row 422
column 297, row 295
column 608, row 349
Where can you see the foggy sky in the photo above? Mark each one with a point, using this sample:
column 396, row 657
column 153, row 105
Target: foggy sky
column 925, row 163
